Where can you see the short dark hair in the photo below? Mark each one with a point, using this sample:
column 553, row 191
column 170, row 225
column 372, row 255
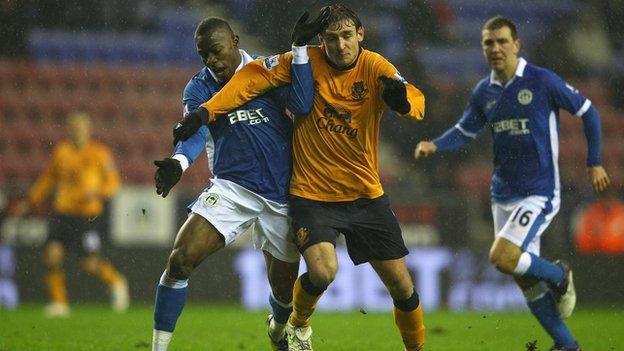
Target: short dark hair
column 499, row 22
column 339, row 13
column 209, row 25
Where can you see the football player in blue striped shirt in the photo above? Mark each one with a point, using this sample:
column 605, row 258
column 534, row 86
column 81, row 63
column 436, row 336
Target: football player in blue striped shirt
column 520, row 103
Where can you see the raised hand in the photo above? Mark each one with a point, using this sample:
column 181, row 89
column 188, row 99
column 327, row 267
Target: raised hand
column 167, row 175
column 303, row 31
column 395, row 94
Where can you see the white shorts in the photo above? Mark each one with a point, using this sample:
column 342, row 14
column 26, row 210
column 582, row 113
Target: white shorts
column 232, row 210
column 523, row 221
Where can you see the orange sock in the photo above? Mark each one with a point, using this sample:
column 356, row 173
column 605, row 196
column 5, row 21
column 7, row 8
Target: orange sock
column 411, row 327
column 55, row 282
column 303, row 305
column 108, row 274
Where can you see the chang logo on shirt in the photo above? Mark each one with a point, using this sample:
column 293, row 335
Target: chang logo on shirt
column 332, row 113
column 251, row 116
column 517, row 126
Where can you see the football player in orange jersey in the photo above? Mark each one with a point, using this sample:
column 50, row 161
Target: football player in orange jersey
column 81, row 176
column 335, row 187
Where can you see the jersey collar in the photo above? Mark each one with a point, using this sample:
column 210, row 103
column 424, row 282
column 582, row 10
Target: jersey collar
column 245, row 59
column 519, row 73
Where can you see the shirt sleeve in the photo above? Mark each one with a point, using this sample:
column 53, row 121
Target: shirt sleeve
column 194, row 95
column 565, row 96
column 253, row 80
column 469, row 125
column 297, row 97
column 570, row 99
column 473, row 119
column 415, row 97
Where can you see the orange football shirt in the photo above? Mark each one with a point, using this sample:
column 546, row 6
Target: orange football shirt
column 80, row 178
column 335, row 146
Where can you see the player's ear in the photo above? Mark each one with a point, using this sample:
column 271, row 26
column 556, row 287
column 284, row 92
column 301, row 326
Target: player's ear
column 235, row 40
column 360, row 34
column 517, row 46
column 320, row 39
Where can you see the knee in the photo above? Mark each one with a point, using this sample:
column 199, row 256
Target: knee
column 90, row 264
column 503, row 262
column 181, row 263
column 400, row 288
column 53, row 254
column 322, row 275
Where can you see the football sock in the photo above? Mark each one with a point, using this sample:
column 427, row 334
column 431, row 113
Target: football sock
column 532, row 266
column 305, row 297
column 170, row 297
column 408, row 317
column 544, row 309
column 107, row 273
column 281, row 312
column 55, row 282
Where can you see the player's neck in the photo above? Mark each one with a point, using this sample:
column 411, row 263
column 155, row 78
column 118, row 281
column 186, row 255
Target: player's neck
column 508, row 73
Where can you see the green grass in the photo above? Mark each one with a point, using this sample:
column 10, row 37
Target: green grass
column 213, row 327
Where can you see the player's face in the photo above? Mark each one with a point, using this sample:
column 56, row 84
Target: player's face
column 342, row 43
column 500, row 49
column 80, row 130
column 219, row 52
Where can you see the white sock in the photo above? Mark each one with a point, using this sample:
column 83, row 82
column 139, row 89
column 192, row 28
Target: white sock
column 161, row 340
column 523, row 263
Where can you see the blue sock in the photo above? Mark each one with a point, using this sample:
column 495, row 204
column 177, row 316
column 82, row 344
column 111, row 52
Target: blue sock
column 169, row 303
column 545, row 310
column 281, row 311
column 543, row 270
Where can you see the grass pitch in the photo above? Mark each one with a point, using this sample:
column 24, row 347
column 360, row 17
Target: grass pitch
column 227, row 328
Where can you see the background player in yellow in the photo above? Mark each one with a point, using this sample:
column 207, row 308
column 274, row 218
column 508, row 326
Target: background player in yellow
column 81, row 175
column 335, row 186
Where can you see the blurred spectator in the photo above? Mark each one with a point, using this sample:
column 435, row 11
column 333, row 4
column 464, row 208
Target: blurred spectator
column 553, row 51
column 589, row 43
column 82, row 175
column 612, row 12
column 601, row 226
column 12, row 29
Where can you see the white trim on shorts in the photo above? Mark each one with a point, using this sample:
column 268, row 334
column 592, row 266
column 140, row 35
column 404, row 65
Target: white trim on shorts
column 233, row 209
column 523, row 221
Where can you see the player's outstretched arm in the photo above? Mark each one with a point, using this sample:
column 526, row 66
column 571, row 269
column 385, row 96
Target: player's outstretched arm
column 599, row 178
column 424, row 149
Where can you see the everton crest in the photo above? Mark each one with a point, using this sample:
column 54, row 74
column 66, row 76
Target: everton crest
column 359, row 90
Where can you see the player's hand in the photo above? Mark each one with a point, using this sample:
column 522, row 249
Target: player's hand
column 395, row 95
column 167, row 175
column 303, row 31
column 424, row 149
column 189, row 124
column 599, row 178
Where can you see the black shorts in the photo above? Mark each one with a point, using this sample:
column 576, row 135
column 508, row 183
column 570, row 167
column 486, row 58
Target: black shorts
column 78, row 234
column 370, row 228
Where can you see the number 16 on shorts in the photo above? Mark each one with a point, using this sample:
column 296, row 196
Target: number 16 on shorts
column 523, row 221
